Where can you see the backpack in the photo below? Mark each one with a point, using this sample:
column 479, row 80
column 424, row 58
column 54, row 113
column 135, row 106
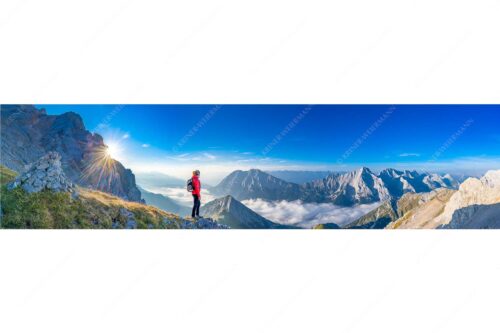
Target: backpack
column 190, row 186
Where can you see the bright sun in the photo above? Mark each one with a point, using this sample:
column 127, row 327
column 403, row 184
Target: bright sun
column 113, row 150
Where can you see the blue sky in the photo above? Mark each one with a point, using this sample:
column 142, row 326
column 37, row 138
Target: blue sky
column 218, row 139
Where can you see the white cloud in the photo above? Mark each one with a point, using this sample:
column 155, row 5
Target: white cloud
column 307, row 215
column 409, row 155
column 145, row 145
column 187, row 157
column 181, row 195
column 209, row 156
column 125, row 136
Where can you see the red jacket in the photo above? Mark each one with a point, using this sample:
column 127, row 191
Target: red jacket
column 196, row 186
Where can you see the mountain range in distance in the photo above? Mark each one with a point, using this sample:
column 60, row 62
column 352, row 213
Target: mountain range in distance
column 475, row 204
column 345, row 189
column 299, row 176
column 158, row 179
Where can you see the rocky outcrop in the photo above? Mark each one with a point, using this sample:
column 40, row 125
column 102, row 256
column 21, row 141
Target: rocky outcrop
column 476, row 205
column 46, row 173
column 418, row 210
column 231, row 212
column 126, row 219
column 411, row 211
column 203, row 223
column 378, row 218
column 28, row 133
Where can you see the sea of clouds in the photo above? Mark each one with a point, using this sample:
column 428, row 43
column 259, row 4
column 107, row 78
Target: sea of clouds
column 181, row 195
column 307, row 215
column 304, row 215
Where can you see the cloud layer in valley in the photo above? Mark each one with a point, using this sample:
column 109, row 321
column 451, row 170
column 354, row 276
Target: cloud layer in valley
column 307, row 215
column 180, row 195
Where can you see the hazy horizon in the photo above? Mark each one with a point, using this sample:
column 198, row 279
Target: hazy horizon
column 210, row 180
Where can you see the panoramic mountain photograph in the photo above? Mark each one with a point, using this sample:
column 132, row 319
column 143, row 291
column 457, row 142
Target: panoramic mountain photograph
column 250, row 167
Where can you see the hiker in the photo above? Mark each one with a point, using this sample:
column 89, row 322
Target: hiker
column 194, row 186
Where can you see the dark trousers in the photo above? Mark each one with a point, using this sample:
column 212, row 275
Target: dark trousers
column 196, row 205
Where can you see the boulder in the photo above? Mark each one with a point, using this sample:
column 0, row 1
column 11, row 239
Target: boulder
column 202, row 223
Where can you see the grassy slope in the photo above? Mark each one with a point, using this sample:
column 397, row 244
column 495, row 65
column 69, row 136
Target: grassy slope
column 92, row 209
column 417, row 215
column 6, row 175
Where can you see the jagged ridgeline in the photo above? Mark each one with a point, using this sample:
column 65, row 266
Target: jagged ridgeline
column 345, row 189
column 409, row 199
column 475, row 205
column 28, row 133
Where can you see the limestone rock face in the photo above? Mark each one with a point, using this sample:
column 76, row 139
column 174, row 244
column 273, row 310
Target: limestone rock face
column 28, row 133
column 475, row 205
column 418, row 210
column 347, row 189
column 46, row 173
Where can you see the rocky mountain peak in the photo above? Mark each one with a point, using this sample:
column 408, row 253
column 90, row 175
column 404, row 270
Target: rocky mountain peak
column 223, row 204
column 46, row 173
column 229, row 211
column 355, row 187
column 254, row 183
column 390, row 172
column 69, row 121
column 28, row 133
column 364, row 170
column 491, row 178
column 474, row 196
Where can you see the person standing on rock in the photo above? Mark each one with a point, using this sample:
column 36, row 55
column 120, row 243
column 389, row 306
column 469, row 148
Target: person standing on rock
column 195, row 185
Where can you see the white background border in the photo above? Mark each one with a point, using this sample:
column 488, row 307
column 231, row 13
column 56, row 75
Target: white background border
column 306, row 52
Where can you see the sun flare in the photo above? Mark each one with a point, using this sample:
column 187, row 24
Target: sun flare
column 113, row 150
column 102, row 164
